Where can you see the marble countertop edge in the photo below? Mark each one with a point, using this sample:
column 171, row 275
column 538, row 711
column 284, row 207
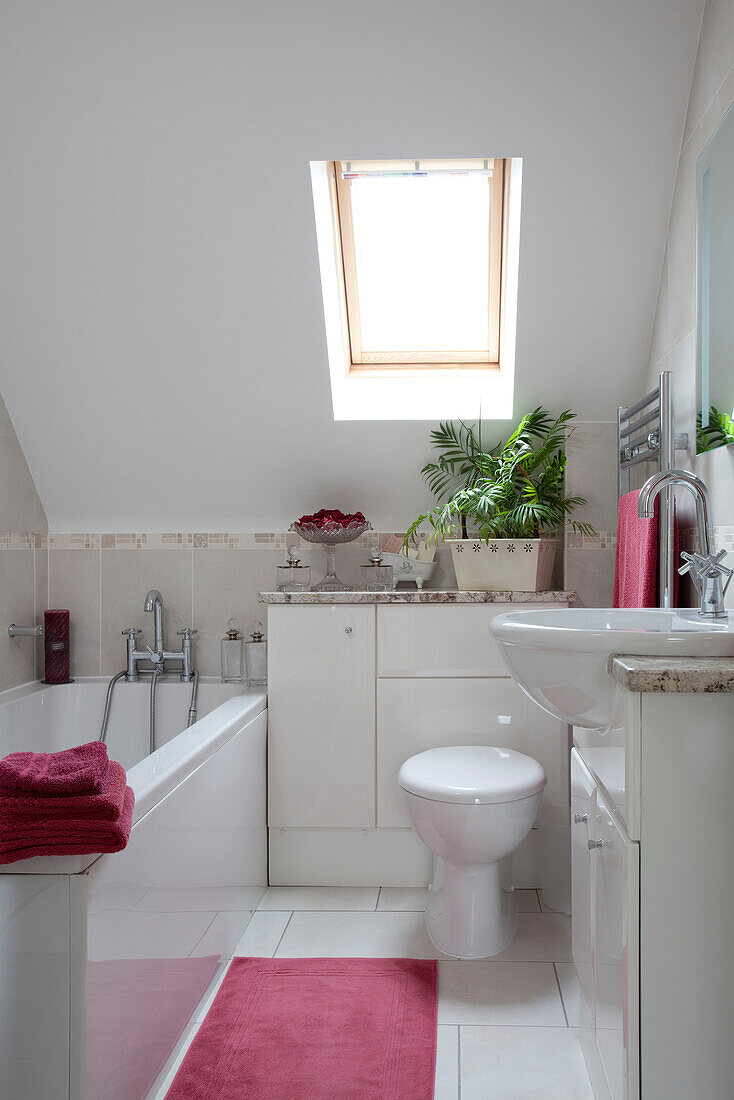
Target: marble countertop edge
column 415, row 596
column 682, row 675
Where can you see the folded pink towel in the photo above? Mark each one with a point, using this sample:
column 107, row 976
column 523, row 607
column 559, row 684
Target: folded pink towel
column 636, row 566
column 81, row 770
column 61, row 837
column 18, row 806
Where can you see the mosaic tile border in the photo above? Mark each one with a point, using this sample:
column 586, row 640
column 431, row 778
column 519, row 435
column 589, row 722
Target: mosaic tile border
column 602, row 540
column 723, row 538
column 17, row 540
column 225, row 540
column 180, row 540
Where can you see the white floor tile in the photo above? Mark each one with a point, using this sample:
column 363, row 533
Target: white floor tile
column 522, row 1063
column 527, row 901
column 366, row 935
column 447, row 1064
column 404, row 899
column 540, row 937
column 493, row 992
column 211, row 899
column 570, row 991
column 262, row 935
column 321, row 898
column 119, row 934
column 223, row 934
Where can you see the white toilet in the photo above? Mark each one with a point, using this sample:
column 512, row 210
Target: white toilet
column 472, row 805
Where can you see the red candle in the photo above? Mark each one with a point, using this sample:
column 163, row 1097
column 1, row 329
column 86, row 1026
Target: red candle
column 56, row 646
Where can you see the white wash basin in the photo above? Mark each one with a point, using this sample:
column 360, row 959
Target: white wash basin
column 559, row 657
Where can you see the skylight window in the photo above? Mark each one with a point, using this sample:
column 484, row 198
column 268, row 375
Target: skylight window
column 421, row 245
column 418, row 266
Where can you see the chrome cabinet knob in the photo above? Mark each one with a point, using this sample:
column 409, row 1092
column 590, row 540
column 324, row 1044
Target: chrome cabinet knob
column 347, row 630
column 579, row 819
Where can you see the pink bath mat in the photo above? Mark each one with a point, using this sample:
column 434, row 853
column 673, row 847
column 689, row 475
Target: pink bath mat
column 336, row 1029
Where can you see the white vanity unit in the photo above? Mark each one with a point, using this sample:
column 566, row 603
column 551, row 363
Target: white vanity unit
column 653, row 882
column 360, row 681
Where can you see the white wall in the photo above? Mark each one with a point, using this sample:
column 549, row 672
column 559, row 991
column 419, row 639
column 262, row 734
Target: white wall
column 163, row 353
column 22, row 565
column 674, row 337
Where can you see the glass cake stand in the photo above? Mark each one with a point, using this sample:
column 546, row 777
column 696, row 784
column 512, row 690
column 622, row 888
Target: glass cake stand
column 330, row 538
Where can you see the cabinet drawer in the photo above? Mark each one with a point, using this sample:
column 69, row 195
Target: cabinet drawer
column 439, row 639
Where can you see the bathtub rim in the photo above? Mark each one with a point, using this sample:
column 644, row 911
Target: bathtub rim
column 155, row 776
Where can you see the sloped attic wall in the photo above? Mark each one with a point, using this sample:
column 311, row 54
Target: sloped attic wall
column 674, row 337
column 22, row 565
column 163, row 351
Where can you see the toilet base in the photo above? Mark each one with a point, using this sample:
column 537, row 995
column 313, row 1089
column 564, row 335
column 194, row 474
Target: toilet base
column 468, row 913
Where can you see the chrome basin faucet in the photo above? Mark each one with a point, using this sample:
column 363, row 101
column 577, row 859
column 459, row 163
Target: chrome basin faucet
column 706, row 569
column 160, row 655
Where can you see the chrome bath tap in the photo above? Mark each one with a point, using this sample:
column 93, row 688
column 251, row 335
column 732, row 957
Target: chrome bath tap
column 154, row 603
column 706, row 569
column 159, row 656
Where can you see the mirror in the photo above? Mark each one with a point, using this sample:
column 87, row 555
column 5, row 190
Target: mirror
column 715, row 288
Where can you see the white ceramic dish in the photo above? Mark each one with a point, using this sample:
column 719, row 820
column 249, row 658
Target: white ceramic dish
column 409, row 569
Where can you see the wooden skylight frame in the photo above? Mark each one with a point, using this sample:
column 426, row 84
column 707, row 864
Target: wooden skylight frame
column 411, row 363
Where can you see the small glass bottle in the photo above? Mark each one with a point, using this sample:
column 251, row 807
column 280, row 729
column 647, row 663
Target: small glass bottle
column 256, row 659
column 293, row 577
column 376, row 577
column 232, row 650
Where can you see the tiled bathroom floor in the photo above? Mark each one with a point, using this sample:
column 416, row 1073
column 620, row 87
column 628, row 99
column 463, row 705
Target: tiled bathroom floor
column 506, row 1025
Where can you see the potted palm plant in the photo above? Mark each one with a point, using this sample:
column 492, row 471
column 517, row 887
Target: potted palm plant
column 502, row 509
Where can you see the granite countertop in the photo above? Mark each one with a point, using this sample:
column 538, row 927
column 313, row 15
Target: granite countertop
column 413, row 595
column 674, row 674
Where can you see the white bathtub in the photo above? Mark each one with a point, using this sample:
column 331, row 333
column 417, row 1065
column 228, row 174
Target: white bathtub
column 103, row 959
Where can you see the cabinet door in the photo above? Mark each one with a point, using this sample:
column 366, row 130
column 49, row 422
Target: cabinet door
column 582, row 811
column 616, row 877
column 321, row 716
column 439, row 640
column 419, row 714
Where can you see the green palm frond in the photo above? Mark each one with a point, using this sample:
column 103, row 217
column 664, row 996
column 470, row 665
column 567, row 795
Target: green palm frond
column 513, row 490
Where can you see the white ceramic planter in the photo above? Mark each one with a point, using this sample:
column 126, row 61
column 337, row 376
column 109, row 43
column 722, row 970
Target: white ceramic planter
column 521, row 565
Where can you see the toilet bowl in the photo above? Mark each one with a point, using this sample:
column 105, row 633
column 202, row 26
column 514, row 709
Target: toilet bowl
column 472, row 805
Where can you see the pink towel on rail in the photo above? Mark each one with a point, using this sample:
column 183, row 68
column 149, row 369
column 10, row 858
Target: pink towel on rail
column 17, row 806
column 636, row 565
column 81, row 770
column 55, row 836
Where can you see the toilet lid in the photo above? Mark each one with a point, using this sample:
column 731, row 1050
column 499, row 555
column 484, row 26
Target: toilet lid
column 472, row 774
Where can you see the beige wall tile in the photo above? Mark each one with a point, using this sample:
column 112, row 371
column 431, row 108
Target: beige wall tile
column 127, row 575
column 74, row 583
column 590, row 573
column 226, row 586
column 40, row 600
column 17, row 657
column 592, row 472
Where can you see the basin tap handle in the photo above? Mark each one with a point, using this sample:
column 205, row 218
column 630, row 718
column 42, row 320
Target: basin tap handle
column 186, row 633
column 131, row 632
